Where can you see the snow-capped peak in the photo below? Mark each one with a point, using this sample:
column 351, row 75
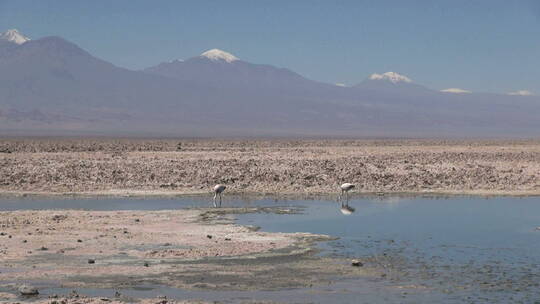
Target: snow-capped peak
column 393, row 77
column 14, row 36
column 456, row 91
column 216, row 54
column 521, row 93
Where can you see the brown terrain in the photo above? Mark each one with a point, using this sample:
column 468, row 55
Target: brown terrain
column 150, row 167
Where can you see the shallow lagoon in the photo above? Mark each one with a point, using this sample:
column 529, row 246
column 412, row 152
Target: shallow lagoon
column 457, row 249
column 470, row 249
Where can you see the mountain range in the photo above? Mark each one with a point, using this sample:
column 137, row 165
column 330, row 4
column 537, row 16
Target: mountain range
column 50, row 86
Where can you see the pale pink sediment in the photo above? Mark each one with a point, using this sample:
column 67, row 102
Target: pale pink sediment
column 58, row 244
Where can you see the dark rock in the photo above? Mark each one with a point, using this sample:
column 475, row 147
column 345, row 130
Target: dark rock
column 209, row 236
column 91, row 261
column 59, row 217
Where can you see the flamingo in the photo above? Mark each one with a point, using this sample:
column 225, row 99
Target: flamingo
column 218, row 189
column 345, row 188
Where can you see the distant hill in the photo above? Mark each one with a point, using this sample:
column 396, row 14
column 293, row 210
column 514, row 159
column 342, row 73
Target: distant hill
column 51, row 86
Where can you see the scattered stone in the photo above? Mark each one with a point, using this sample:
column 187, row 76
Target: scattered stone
column 227, row 239
column 209, row 236
column 117, row 294
column 79, row 241
column 137, row 220
column 25, row 241
column 27, row 290
column 43, row 248
column 357, row 263
column 91, row 261
column 146, row 264
column 59, row 217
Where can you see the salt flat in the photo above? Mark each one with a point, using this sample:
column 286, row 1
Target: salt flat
column 162, row 167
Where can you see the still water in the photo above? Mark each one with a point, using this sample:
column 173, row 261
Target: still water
column 470, row 249
column 457, row 249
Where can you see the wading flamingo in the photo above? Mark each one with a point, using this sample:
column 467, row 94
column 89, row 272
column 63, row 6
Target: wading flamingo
column 345, row 188
column 218, row 189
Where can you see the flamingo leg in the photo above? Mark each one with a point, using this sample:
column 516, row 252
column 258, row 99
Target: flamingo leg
column 215, row 195
column 220, row 199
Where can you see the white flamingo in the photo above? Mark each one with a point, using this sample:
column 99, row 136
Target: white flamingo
column 218, row 189
column 345, row 188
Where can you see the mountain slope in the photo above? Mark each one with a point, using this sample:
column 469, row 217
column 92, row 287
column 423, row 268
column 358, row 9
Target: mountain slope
column 52, row 74
column 51, row 86
column 220, row 69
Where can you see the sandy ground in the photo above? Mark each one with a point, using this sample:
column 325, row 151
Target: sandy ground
column 161, row 167
column 190, row 249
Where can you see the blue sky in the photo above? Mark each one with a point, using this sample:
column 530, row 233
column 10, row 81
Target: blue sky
column 488, row 46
